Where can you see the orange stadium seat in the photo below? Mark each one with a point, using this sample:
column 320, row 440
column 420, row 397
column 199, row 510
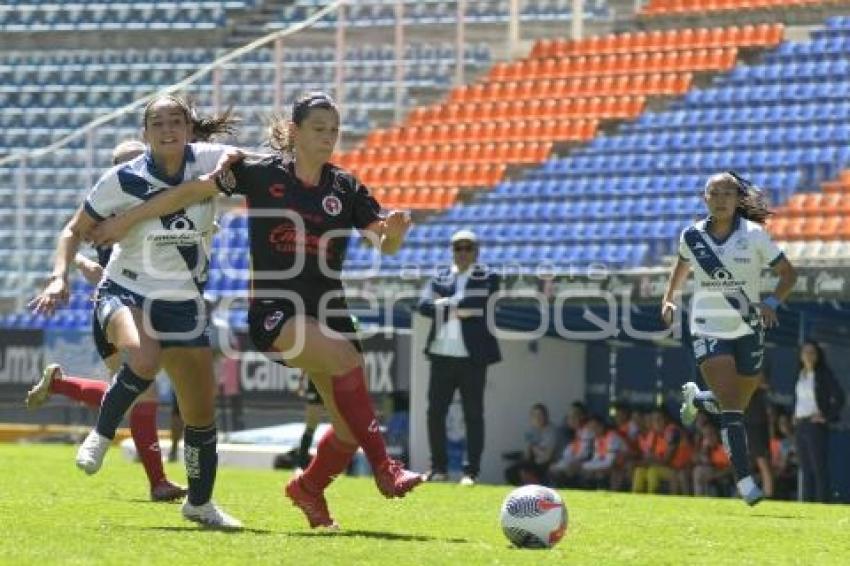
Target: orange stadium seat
column 778, row 226
column 841, row 204
column 830, row 228
column 808, row 228
column 844, row 228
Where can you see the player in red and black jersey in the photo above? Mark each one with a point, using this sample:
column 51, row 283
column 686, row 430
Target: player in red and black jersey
column 302, row 209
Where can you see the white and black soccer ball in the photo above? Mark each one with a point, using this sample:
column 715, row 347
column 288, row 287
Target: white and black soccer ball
column 534, row 516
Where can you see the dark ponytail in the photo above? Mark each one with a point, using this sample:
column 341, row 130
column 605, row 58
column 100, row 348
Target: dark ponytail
column 280, row 135
column 280, row 128
column 204, row 128
column 752, row 202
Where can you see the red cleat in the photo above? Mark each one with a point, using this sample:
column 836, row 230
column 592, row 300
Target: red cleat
column 394, row 481
column 167, row 491
column 314, row 507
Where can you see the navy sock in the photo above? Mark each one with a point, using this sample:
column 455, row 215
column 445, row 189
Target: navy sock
column 304, row 449
column 735, row 441
column 126, row 387
column 706, row 401
column 201, row 462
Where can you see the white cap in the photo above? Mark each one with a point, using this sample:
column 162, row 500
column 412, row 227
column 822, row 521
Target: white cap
column 464, row 236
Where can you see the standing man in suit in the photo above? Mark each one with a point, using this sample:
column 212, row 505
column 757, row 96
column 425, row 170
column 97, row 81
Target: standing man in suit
column 460, row 347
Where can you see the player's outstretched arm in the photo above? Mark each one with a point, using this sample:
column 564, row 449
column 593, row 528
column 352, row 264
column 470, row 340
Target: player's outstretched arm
column 115, row 228
column 55, row 292
column 677, row 279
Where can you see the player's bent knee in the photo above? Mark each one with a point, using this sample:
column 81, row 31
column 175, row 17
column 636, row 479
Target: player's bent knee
column 145, row 366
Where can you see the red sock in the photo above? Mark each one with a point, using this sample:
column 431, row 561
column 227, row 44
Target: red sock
column 355, row 406
column 88, row 391
column 143, row 429
column 332, row 458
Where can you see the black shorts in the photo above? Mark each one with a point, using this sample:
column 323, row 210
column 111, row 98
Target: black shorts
column 104, row 347
column 266, row 318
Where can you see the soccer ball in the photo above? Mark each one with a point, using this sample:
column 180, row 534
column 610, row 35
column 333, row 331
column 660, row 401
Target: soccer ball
column 534, row 516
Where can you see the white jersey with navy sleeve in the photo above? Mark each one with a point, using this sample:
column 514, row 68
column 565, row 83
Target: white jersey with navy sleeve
column 744, row 254
column 164, row 258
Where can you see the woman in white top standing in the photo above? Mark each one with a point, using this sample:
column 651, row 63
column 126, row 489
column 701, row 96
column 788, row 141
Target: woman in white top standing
column 727, row 252
column 818, row 399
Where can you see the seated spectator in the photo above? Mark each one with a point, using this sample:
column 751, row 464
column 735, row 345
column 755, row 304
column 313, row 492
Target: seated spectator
column 783, row 457
column 539, row 450
column 566, row 471
column 646, row 443
column 609, row 451
column 712, row 469
column 668, row 459
column 628, row 423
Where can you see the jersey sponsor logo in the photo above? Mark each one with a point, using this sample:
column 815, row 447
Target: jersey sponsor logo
column 741, row 244
column 180, row 222
column 272, row 320
column 129, row 274
column 721, row 274
column 332, row 205
column 277, row 190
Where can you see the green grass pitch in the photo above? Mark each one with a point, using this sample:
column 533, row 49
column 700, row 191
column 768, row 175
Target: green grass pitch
column 50, row 513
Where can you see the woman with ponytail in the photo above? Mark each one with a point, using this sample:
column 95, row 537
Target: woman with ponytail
column 150, row 300
column 727, row 252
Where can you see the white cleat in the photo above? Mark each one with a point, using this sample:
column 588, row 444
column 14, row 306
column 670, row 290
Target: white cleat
column 210, row 515
column 40, row 392
column 688, row 411
column 91, row 452
column 750, row 492
column 467, row 481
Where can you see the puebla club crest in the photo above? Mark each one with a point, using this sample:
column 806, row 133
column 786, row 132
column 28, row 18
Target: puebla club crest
column 332, row 205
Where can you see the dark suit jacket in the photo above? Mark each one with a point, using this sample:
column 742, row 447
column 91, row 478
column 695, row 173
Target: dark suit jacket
column 829, row 397
column 479, row 341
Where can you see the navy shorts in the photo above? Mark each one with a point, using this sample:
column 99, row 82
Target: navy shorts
column 104, row 348
column 266, row 318
column 747, row 350
column 166, row 318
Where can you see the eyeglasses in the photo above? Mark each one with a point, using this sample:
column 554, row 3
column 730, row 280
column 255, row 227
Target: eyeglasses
column 464, row 248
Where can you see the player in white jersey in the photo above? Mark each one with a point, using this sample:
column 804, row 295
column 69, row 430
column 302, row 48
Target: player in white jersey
column 727, row 252
column 150, row 301
column 90, row 391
